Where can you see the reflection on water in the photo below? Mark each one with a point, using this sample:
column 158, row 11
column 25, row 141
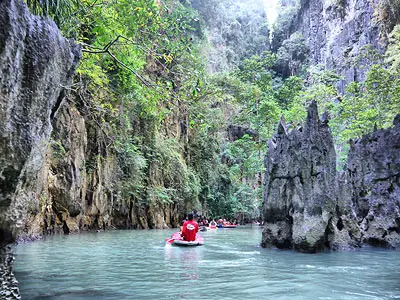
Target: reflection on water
column 231, row 265
column 185, row 258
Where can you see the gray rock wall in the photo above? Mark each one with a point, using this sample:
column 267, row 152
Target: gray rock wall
column 300, row 197
column 308, row 206
column 58, row 172
column 373, row 175
column 79, row 183
column 9, row 284
column 337, row 32
column 76, row 183
column 36, row 62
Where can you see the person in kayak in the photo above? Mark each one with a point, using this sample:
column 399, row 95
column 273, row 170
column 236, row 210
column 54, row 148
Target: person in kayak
column 190, row 228
column 181, row 226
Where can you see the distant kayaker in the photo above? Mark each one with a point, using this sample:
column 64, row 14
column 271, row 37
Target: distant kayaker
column 190, row 228
column 181, row 226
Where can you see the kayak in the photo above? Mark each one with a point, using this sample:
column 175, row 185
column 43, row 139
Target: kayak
column 186, row 243
column 213, row 226
column 176, row 240
column 227, row 226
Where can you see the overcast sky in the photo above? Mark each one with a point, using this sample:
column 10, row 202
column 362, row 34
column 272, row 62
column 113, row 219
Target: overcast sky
column 271, row 8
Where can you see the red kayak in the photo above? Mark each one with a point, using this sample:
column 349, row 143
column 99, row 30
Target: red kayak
column 229, row 226
column 176, row 240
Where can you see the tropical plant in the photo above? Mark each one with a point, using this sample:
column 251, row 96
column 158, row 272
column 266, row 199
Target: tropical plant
column 392, row 56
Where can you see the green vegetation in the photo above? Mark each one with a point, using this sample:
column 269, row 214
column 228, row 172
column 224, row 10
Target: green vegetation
column 236, row 30
column 393, row 52
column 143, row 84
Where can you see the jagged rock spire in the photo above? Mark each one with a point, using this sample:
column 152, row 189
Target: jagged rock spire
column 282, row 127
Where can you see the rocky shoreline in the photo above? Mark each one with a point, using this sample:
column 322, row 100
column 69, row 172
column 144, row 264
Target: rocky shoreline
column 9, row 284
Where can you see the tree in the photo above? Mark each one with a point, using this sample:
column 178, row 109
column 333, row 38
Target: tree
column 292, row 53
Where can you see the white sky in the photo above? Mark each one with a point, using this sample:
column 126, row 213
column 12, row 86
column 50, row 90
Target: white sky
column 271, row 8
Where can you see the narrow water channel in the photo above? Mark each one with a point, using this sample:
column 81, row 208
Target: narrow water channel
column 231, row 265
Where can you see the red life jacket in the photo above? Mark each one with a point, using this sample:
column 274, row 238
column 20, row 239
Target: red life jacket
column 190, row 228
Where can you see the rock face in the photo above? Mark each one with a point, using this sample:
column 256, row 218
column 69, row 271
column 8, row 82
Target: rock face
column 337, row 39
column 9, row 284
column 373, row 173
column 36, row 62
column 300, row 186
column 76, row 183
column 309, row 207
column 337, row 32
column 78, row 187
column 58, row 172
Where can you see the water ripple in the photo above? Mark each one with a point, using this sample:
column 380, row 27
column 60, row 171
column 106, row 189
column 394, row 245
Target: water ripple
column 231, row 265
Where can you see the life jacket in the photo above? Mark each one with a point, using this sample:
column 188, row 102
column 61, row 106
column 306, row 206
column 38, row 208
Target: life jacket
column 190, row 228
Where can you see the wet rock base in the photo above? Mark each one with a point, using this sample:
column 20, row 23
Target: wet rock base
column 9, row 284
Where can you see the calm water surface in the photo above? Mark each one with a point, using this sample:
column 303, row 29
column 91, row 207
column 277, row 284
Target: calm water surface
column 231, row 265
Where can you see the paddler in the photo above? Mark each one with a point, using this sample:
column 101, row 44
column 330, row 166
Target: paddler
column 189, row 229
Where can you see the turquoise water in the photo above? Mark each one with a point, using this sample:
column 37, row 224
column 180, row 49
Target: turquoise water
column 231, row 265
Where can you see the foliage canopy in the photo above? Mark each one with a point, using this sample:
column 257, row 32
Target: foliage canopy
column 148, row 79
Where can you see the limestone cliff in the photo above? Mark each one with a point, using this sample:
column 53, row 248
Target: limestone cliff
column 310, row 207
column 337, row 33
column 59, row 170
column 79, row 185
column 300, row 199
column 76, row 181
column 373, row 175
column 36, row 63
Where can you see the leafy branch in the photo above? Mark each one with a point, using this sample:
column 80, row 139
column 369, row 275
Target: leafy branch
column 106, row 49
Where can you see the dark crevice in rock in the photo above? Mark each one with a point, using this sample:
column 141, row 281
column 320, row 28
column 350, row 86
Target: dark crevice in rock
column 8, row 184
column 394, row 229
column 395, row 176
column 89, row 197
column 328, row 236
column 339, row 224
column 65, row 228
column 377, row 242
column 287, row 177
column 130, row 211
column 6, row 237
column 284, row 244
column 57, row 105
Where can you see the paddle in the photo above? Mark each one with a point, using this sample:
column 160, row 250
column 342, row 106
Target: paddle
column 174, row 237
column 169, row 240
